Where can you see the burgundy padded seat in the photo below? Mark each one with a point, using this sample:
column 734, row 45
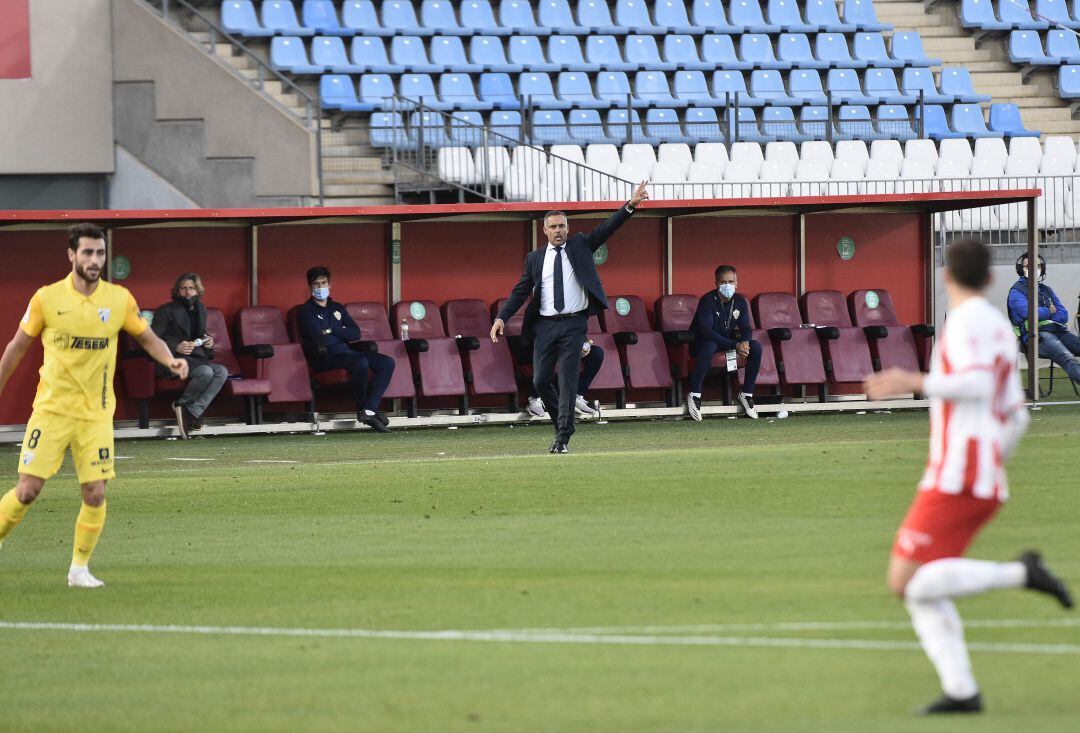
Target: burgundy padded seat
column 287, row 369
column 319, row 379
column 375, row 326
column 439, row 367
column 490, row 368
column 901, row 346
column 646, row 359
column 800, row 356
column 847, row 356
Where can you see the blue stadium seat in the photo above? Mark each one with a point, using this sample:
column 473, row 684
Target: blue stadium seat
column 466, row 129
column 478, row 15
column 844, row 86
column 907, row 46
column 870, row 47
column 536, row 89
column 719, row 50
column 1005, row 118
column 860, row 13
column 1069, row 81
column 822, row 13
column 1056, row 11
column 329, row 52
column 556, row 14
column 574, row 87
column 400, row 17
column 429, row 129
column 449, row 52
column 682, row 51
column 496, row 88
column 663, row 126
column 549, row 127
column 586, row 127
column 387, row 130
column 747, row 130
column 833, row 48
column 1060, row 45
column 421, row 89
column 487, row 51
column 671, row 15
column 623, row 127
column 805, row 85
column 517, row 16
column 921, row 81
column 438, row 16
column 968, row 119
column 337, row 92
column 635, row 15
column 778, row 123
column 1018, row 16
column 795, row 49
column 702, row 125
column 321, row 17
column 288, row 54
column 642, row 50
column 409, row 53
column 853, row 123
column 692, row 89
column 882, row 84
column 1025, row 47
column 814, row 122
column 894, row 122
column 504, row 124
column 936, row 125
column 369, row 54
column 746, row 14
column 604, row 52
column 359, row 16
column 614, row 86
column 375, row 91
column 768, row 86
column 979, row 15
column 565, row 51
column 785, row 14
column 526, row 52
column 238, row 17
column 956, row 80
column 732, row 83
column 279, row 16
column 651, row 87
column 756, row 49
column 458, row 91
column 710, row 16
column 594, row 15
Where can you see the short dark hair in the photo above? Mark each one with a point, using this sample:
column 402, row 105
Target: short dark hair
column 724, row 269
column 968, row 261
column 194, row 277
column 316, row 272
column 78, row 231
column 553, row 213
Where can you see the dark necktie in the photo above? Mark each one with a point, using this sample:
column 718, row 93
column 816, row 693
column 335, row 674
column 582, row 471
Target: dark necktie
column 560, row 301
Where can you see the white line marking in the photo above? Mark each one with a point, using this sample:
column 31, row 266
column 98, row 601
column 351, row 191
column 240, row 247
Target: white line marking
column 271, row 461
column 804, row 626
column 188, row 459
column 535, row 638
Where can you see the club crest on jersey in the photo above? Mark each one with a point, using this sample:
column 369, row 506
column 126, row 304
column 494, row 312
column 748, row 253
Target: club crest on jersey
column 103, row 314
column 28, row 457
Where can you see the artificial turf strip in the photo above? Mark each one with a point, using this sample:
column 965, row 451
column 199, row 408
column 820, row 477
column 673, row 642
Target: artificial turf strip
column 648, row 523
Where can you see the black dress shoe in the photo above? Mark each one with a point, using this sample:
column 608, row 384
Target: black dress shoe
column 372, row 422
column 1041, row 579
column 948, row 704
column 560, row 447
column 382, row 418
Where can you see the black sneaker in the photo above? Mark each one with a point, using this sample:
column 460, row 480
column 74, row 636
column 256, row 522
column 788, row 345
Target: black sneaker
column 948, row 704
column 194, row 423
column 181, row 420
column 747, row 401
column 693, row 404
column 373, row 422
column 382, row 418
column 1041, row 579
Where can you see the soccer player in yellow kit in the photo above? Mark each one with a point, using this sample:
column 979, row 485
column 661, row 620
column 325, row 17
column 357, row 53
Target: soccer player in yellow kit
column 79, row 319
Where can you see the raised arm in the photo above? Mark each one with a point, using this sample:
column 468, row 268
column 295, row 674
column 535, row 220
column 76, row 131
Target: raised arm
column 609, row 226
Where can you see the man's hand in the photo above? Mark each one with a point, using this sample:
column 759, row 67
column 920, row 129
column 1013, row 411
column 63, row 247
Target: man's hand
column 207, row 341
column 497, row 329
column 892, row 382
column 743, row 349
column 178, row 367
column 1053, row 309
column 640, row 194
column 185, row 347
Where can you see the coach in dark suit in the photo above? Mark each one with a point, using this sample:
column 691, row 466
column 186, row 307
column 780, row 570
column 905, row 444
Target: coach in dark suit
column 565, row 291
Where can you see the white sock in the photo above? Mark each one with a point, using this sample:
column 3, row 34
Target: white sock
column 696, row 394
column 747, row 394
column 956, row 577
column 369, row 413
column 941, row 634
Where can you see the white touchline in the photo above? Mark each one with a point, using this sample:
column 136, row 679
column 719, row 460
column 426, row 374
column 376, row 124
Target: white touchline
column 189, row 459
column 533, row 638
column 802, row 626
column 269, row 461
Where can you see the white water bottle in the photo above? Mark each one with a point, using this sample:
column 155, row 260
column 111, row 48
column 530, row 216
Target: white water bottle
column 404, row 329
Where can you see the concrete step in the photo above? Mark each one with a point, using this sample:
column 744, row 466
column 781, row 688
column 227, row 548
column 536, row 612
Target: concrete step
column 988, row 66
column 343, row 151
column 356, row 189
column 951, row 43
column 998, row 79
column 944, row 31
column 1056, row 128
column 907, row 16
column 359, row 177
column 1038, row 115
column 386, row 199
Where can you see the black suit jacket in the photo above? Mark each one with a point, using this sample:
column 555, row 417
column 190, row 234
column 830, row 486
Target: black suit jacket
column 172, row 324
column 579, row 250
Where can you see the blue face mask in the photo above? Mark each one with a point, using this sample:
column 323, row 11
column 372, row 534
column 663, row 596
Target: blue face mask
column 727, row 290
column 320, row 293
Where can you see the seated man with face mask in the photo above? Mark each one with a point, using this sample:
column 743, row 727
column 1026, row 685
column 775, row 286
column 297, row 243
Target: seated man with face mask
column 1056, row 342
column 722, row 324
column 326, row 330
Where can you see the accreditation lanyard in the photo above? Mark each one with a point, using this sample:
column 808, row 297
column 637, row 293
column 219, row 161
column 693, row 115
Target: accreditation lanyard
column 732, row 363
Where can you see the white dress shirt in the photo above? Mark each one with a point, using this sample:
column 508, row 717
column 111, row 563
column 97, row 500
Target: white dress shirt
column 574, row 296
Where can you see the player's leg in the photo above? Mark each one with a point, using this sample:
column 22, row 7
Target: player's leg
column 43, row 447
column 93, row 451
column 16, row 502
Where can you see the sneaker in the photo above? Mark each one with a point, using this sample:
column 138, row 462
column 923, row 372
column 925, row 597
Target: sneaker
column 194, row 423
column 948, row 704
column 536, row 407
column 372, row 421
column 693, row 404
column 1041, row 579
column 560, row 447
column 583, row 407
column 181, row 420
column 747, row 401
column 382, row 418
column 81, row 578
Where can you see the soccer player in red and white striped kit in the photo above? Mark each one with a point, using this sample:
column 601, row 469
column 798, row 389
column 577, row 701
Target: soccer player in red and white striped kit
column 977, row 416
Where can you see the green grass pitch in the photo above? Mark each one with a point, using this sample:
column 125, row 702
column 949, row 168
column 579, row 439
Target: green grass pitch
column 675, row 568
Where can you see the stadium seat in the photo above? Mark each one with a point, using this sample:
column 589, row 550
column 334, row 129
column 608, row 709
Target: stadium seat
column 747, row 15
column 956, row 81
column 651, row 89
column 882, row 84
column 374, row 325
column 329, row 53
column 814, row 121
column 679, row 156
column 881, row 175
column 369, row 54
column 805, row 85
column 895, row 121
column 968, row 119
column 336, row 92
column 387, row 129
column 435, row 359
column 438, row 16
column 1024, row 149
column 506, row 126
column 749, row 154
column 418, row 89
column 643, row 52
column 603, row 51
column 1026, row 48
column 719, row 50
column 409, row 53
column 1057, row 12
column 457, row 90
column 321, row 17
column 811, row 177
column 496, row 160
column 574, row 87
column 663, row 126
column 614, row 87
column 455, row 163
column 642, row 349
column 288, row 54
column 565, row 51
column 639, row 155
column 916, row 175
column 570, row 153
column 936, row 125
column 799, row 360
column 495, row 87
column 487, row 52
column 782, row 151
column 1061, row 46
column 517, row 16
column 322, row 379
column 594, row 15
column 634, row 14
column 585, row 126
column 478, row 15
column 527, row 54
column 556, row 14
column 489, row 368
column 1060, row 146
column 247, row 387
column 907, row 46
column 822, row 13
column 920, row 149
column 710, row 15
column 756, row 49
column 1069, row 81
column 794, row 48
column 549, row 127
column 846, row 177
column 979, row 15
column 891, row 344
column 624, row 128
column 860, row 13
column 238, row 17
column 359, row 16
column 958, row 150
column 269, row 353
column 844, row 88
column 537, row 91
column 671, row 16
column 449, row 52
column 279, row 16
column 992, row 150
column 702, row 125
column 843, row 346
column 1019, row 16
column 785, row 14
column 817, row 150
column 832, row 50
column 775, row 179
column 429, row 129
column 767, row 86
column 400, row 17
column 870, row 48
column 1005, row 118
column 779, row 123
column 919, row 83
column 853, row 122
column 681, row 51
column 740, row 177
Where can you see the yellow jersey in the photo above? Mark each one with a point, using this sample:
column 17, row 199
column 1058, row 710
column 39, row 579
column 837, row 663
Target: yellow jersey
column 79, row 334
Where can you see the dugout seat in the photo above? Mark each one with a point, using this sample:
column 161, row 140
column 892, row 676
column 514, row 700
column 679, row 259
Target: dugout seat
column 266, row 352
column 847, row 355
column 374, row 324
column 435, row 359
column 245, row 385
column 489, row 369
column 891, row 344
column 800, row 362
column 642, row 348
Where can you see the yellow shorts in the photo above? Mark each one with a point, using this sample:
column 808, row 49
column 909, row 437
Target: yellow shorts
column 48, row 436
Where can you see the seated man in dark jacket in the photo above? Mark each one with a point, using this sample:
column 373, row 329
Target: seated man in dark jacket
column 181, row 324
column 722, row 323
column 1056, row 342
column 326, row 330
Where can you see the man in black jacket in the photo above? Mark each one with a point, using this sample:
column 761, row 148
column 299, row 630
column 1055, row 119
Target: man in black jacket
column 326, row 332
column 722, row 324
column 566, row 290
column 181, row 324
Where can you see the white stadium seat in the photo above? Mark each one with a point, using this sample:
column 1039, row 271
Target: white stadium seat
column 959, row 150
column 677, row 154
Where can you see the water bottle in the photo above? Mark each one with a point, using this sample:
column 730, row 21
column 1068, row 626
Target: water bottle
column 404, row 329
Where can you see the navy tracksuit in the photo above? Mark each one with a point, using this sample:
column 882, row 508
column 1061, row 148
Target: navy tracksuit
column 720, row 326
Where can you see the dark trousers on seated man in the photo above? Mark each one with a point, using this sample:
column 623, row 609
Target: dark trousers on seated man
column 559, row 339
column 367, row 392
column 703, row 352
